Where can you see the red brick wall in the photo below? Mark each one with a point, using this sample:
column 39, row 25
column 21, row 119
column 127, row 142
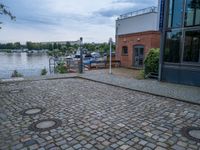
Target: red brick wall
column 150, row 39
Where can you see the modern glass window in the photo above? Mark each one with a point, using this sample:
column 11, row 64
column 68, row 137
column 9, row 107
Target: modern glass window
column 175, row 13
column 172, row 46
column 192, row 15
column 124, row 50
column 197, row 13
column 192, row 46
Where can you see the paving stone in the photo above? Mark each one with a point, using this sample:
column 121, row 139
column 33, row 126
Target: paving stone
column 100, row 139
column 160, row 148
column 77, row 146
column 88, row 146
column 33, row 147
column 124, row 147
column 29, row 143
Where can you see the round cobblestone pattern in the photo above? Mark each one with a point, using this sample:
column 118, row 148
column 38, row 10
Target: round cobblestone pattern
column 192, row 133
column 45, row 125
column 94, row 116
column 32, row 111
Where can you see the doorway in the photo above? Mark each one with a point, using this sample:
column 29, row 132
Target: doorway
column 138, row 56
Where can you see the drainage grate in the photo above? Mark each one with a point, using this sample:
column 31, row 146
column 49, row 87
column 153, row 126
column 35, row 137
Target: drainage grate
column 192, row 133
column 45, row 125
column 32, row 111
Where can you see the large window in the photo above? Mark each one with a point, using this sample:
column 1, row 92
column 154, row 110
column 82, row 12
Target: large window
column 192, row 15
column 192, row 46
column 175, row 13
column 172, row 46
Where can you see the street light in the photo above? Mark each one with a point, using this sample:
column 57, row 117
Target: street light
column 110, row 68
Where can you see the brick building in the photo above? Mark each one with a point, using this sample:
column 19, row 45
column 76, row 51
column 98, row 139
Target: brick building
column 136, row 33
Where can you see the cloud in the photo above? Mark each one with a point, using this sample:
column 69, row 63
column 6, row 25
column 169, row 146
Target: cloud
column 44, row 20
column 119, row 7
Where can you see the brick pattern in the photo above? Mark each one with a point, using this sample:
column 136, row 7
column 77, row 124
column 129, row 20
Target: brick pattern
column 94, row 116
column 150, row 39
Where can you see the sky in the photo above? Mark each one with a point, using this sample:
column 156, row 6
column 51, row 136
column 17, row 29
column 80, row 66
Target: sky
column 65, row 20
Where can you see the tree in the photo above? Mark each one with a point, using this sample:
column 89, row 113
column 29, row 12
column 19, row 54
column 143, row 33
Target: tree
column 55, row 46
column 4, row 11
column 17, row 45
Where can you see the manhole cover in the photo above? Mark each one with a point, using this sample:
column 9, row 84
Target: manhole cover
column 32, row 111
column 44, row 125
column 192, row 133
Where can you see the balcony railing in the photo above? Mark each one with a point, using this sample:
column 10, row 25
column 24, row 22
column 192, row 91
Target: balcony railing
column 138, row 12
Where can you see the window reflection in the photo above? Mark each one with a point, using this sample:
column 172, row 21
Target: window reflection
column 192, row 15
column 175, row 13
column 192, row 46
column 172, row 47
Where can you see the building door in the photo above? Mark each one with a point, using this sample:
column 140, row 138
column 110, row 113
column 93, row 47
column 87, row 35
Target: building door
column 138, row 56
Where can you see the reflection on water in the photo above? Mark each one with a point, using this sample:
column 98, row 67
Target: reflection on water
column 27, row 64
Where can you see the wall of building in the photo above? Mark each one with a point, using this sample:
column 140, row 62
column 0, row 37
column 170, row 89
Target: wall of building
column 149, row 39
column 139, row 23
column 182, row 68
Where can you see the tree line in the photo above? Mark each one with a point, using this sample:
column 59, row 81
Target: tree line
column 63, row 48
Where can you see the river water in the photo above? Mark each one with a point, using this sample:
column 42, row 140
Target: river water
column 27, row 64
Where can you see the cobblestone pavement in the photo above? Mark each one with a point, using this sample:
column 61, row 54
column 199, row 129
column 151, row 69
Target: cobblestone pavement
column 94, row 116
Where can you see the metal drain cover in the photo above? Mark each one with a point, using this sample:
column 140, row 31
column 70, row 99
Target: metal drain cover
column 32, row 111
column 44, row 125
column 192, row 133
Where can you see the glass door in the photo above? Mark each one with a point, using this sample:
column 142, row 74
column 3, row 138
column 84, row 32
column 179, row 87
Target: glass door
column 138, row 56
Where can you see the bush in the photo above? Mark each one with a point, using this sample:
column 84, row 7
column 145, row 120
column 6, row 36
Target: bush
column 16, row 74
column 152, row 61
column 61, row 68
column 43, row 71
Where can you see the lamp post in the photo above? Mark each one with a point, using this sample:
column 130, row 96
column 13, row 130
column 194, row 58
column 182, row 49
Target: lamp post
column 81, row 56
column 110, row 67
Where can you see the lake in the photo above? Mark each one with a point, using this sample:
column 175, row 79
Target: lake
column 27, row 64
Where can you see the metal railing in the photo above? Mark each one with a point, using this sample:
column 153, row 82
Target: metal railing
column 138, row 12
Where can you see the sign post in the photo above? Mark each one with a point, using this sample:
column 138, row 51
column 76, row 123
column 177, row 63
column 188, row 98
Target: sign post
column 110, row 68
column 81, row 57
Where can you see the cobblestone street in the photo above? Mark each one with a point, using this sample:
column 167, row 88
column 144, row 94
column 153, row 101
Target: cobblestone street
column 94, row 116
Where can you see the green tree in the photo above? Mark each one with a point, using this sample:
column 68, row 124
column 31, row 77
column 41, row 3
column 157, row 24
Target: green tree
column 55, row 46
column 29, row 45
column 9, row 46
column 17, row 45
column 4, row 11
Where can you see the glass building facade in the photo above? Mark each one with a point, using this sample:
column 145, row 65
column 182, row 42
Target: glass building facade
column 180, row 48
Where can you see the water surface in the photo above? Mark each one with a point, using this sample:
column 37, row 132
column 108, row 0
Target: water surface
column 27, row 64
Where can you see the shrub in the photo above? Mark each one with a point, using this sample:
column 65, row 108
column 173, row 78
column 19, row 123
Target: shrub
column 152, row 61
column 61, row 68
column 43, row 71
column 16, row 74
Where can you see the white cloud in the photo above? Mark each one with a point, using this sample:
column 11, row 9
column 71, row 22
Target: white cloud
column 48, row 20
